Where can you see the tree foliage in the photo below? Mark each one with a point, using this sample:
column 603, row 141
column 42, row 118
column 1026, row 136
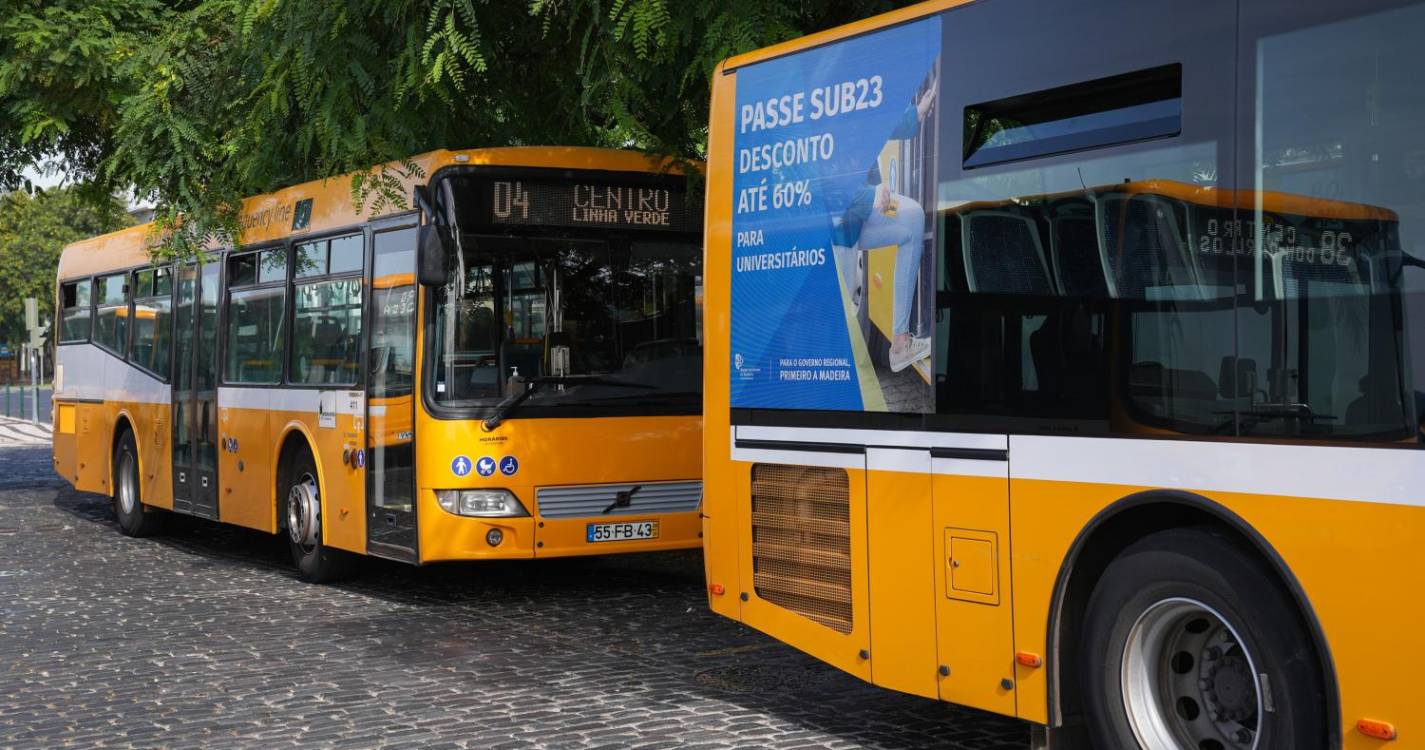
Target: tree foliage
column 196, row 103
column 33, row 230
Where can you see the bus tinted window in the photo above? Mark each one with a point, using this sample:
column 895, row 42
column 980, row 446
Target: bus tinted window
column 254, row 341
column 75, row 314
column 111, row 328
column 346, row 254
column 1047, row 261
column 326, row 332
column 1118, row 109
column 393, row 298
column 152, row 342
column 1332, row 337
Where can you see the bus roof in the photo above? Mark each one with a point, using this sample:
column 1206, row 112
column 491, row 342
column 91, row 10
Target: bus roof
column 265, row 218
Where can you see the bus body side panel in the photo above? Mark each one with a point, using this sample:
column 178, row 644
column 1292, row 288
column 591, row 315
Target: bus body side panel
column 901, row 558
column 1357, row 562
column 66, row 440
column 845, row 649
column 246, row 495
column 260, row 420
column 150, row 423
column 723, row 482
column 92, row 444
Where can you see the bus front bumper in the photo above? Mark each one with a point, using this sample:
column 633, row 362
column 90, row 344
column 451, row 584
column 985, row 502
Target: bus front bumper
column 445, row 536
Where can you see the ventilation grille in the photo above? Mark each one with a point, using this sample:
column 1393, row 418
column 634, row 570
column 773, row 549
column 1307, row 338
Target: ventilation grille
column 801, row 541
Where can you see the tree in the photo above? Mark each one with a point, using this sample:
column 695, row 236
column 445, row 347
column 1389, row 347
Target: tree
column 33, row 231
column 199, row 103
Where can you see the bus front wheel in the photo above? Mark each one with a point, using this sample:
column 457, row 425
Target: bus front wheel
column 135, row 519
column 316, row 562
column 1189, row 643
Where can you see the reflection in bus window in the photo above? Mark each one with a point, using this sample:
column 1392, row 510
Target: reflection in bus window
column 111, row 329
column 326, row 332
column 254, row 336
column 1333, row 337
column 575, row 308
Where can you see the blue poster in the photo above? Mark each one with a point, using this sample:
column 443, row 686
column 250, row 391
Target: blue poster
column 833, row 225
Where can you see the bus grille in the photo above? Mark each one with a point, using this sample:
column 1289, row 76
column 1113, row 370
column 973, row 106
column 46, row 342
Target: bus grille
column 591, row 500
column 801, row 541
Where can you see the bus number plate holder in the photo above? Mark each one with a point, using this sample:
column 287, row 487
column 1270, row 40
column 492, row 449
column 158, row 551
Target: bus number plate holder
column 627, row 531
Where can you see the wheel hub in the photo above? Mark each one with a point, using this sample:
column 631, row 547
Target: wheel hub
column 127, row 483
column 1188, row 680
column 304, row 513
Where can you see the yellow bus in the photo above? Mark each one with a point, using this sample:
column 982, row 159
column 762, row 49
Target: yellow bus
column 1100, row 403
column 509, row 368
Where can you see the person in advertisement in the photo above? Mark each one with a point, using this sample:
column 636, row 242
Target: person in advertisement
column 880, row 217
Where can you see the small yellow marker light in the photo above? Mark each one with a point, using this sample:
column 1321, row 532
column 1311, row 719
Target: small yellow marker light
column 1381, row 730
column 1026, row 659
column 717, row 589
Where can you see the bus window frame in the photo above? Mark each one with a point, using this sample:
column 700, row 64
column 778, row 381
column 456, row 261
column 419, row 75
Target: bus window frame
column 88, row 338
column 133, row 304
column 225, row 288
column 290, row 314
column 127, row 274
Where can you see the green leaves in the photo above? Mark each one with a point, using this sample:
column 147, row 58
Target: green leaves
column 33, row 230
column 198, row 103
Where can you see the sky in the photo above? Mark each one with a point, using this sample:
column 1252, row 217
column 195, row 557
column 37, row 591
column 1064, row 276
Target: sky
column 37, row 176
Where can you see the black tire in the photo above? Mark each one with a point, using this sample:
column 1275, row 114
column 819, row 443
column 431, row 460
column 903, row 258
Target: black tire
column 135, row 518
column 316, row 563
column 1169, row 573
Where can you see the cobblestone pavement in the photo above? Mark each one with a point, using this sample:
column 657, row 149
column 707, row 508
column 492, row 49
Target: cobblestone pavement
column 204, row 638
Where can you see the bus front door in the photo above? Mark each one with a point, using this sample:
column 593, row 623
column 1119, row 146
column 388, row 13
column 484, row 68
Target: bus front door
column 195, row 455
column 390, row 424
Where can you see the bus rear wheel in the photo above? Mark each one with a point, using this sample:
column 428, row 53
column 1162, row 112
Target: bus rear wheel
column 1190, row 644
column 302, row 503
column 135, row 518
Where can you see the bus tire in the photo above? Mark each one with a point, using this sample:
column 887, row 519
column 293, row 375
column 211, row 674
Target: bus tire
column 1189, row 642
column 135, row 518
column 315, row 561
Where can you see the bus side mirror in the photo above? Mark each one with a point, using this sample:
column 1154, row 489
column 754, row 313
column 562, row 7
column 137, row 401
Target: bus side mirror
column 430, row 256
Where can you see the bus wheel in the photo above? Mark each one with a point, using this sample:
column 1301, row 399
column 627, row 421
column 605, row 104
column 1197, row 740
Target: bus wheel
column 316, row 562
column 1189, row 644
column 135, row 519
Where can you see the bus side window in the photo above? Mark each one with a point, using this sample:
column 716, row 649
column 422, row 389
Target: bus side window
column 255, row 317
column 152, row 322
column 76, row 315
column 111, row 318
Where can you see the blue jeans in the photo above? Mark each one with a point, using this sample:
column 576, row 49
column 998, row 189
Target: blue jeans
column 905, row 230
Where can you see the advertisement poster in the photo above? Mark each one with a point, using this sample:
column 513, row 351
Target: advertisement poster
column 833, row 226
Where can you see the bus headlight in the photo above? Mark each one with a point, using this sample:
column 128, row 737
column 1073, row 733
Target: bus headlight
column 481, row 503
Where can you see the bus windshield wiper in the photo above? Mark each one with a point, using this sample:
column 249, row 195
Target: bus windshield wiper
column 506, row 407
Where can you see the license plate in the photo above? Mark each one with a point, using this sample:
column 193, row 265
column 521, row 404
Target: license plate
column 621, row 532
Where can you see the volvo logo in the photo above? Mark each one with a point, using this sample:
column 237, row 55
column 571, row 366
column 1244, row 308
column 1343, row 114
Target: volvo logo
column 623, row 498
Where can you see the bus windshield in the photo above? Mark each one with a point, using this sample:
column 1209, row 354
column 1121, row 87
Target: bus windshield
column 526, row 307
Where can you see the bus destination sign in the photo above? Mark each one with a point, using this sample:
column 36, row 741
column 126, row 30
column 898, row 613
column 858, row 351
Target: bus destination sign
column 590, row 204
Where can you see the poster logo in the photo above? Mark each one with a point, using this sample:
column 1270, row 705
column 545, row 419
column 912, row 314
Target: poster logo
column 834, row 194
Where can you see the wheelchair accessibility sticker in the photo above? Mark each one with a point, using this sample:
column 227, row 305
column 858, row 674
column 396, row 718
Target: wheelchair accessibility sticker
column 509, row 465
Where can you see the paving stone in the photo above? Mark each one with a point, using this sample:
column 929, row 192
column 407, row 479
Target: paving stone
column 204, row 637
